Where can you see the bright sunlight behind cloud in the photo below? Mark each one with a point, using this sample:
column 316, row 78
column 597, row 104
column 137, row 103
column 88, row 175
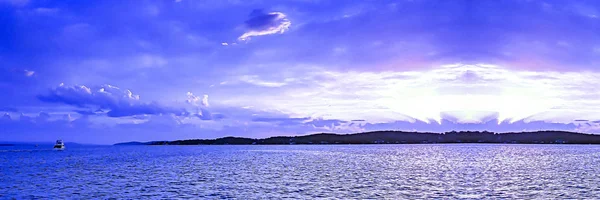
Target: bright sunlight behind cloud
column 468, row 93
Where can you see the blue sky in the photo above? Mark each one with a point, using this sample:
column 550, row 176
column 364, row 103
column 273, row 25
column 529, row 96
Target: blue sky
column 112, row 71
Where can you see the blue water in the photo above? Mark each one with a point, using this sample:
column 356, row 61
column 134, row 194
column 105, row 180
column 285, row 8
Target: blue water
column 302, row 171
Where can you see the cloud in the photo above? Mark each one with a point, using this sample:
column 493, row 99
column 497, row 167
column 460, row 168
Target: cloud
column 94, row 129
column 589, row 128
column 25, row 118
column 253, row 79
column 15, row 75
column 317, row 123
column 204, row 114
column 261, row 23
column 171, row 127
column 201, row 111
column 193, row 100
column 104, row 96
column 282, row 121
column 42, row 117
column 378, row 72
column 145, row 108
column 330, row 123
column 28, row 73
column 205, row 100
column 467, row 92
column 5, row 118
column 85, row 112
column 118, row 101
column 48, row 11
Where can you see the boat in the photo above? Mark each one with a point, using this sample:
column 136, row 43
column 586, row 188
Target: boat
column 60, row 145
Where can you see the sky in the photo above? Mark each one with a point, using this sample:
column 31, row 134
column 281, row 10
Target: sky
column 113, row 71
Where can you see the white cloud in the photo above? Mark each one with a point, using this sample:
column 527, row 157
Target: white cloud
column 467, row 92
column 193, row 99
column 205, row 100
column 254, row 80
column 29, row 73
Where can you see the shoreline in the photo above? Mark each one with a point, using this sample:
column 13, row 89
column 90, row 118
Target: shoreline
column 397, row 137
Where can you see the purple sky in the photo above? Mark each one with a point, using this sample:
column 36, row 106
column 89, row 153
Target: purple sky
column 114, row 71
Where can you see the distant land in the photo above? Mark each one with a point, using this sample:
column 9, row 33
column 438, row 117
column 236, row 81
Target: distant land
column 399, row 137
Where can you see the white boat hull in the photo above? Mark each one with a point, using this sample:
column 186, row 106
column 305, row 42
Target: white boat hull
column 59, row 145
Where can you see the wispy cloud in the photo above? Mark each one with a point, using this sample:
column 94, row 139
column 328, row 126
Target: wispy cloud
column 48, row 11
column 254, row 80
column 28, row 73
column 261, row 23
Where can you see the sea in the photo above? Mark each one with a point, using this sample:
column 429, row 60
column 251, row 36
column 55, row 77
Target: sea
column 410, row 171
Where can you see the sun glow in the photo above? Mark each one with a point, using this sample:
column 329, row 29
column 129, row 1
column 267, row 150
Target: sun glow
column 467, row 94
column 469, row 108
column 462, row 93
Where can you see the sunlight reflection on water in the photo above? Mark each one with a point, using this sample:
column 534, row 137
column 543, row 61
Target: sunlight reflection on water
column 303, row 171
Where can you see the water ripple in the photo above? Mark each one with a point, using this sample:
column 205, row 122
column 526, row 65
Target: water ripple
column 450, row 171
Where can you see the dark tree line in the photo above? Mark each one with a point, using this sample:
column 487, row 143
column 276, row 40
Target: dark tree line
column 400, row 137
